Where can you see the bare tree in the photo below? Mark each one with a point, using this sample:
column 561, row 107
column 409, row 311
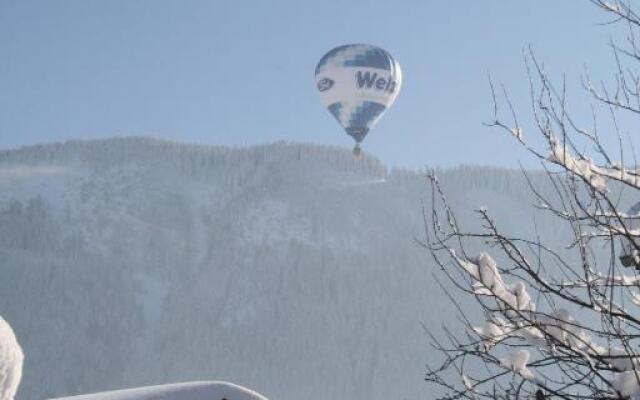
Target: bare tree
column 556, row 326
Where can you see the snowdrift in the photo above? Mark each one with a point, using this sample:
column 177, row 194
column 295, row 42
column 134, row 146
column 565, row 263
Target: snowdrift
column 211, row 390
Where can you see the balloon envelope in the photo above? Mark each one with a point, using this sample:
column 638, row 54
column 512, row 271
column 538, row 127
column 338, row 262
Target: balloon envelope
column 357, row 83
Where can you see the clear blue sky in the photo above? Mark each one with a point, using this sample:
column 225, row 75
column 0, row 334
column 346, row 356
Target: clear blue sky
column 241, row 72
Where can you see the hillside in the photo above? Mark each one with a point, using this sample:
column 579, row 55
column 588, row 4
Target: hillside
column 289, row 268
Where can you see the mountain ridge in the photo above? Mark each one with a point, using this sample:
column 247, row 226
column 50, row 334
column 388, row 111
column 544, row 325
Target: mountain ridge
column 290, row 268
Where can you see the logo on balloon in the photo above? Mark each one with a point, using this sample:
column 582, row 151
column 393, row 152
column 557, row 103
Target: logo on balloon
column 369, row 81
column 325, row 84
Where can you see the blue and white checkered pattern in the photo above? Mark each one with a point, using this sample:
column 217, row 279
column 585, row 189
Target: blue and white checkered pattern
column 357, row 117
column 357, row 83
column 357, row 55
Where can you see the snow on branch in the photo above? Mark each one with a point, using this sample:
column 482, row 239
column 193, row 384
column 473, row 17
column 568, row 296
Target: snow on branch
column 560, row 312
column 586, row 169
column 489, row 283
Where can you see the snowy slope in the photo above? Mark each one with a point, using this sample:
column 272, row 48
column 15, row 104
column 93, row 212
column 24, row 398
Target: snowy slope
column 291, row 268
column 177, row 391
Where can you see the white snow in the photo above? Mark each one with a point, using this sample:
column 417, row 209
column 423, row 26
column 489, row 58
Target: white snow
column 517, row 362
column 627, row 383
column 563, row 327
column 635, row 298
column 517, row 132
column 489, row 282
column 522, row 297
column 533, row 336
column 620, row 358
column 11, row 358
column 612, row 6
column 30, row 171
column 561, row 155
column 491, row 332
column 205, row 390
column 618, row 280
column 467, row 382
column 488, row 272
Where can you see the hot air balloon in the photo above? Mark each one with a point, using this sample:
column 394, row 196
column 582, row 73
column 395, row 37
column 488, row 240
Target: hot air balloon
column 631, row 243
column 357, row 83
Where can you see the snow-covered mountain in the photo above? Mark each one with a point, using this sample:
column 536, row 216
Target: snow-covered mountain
column 289, row 268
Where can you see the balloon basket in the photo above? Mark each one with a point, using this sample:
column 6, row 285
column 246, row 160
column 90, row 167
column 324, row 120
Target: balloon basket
column 357, row 151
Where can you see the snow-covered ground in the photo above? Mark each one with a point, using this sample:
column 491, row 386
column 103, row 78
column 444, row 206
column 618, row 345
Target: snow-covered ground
column 211, row 390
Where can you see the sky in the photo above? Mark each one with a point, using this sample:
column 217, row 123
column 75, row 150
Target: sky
column 238, row 72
